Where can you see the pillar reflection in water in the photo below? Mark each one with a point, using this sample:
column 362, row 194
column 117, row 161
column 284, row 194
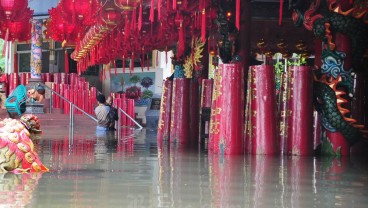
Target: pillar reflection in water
column 265, row 181
column 226, row 175
column 164, row 197
column 184, row 168
column 300, row 180
column 65, row 154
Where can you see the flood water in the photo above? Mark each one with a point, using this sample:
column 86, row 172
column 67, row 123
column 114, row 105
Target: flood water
column 104, row 171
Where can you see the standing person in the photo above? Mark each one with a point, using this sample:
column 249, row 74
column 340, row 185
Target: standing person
column 113, row 114
column 102, row 112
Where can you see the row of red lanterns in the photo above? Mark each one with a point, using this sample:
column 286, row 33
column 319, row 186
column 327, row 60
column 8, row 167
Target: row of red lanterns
column 127, row 28
column 70, row 18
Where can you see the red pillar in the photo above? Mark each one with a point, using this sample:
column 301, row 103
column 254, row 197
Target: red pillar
column 263, row 124
column 56, row 99
column 179, row 127
column 13, row 82
column 227, row 114
column 163, row 130
column 300, row 125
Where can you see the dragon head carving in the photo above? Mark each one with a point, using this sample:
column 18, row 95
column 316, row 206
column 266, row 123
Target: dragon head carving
column 31, row 122
column 17, row 153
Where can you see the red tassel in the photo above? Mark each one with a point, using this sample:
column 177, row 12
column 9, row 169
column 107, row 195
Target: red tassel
column 126, row 29
column 66, row 61
column 203, row 31
column 237, row 15
column 140, row 18
column 15, row 63
column 181, row 41
column 159, row 9
column 174, row 4
column 280, row 11
column 168, row 5
column 152, row 11
column 159, row 35
column 134, row 17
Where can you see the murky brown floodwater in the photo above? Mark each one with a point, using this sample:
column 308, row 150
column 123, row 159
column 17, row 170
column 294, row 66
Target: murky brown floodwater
column 102, row 171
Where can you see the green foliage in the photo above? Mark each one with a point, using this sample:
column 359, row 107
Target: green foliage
column 147, row 94
column 279, row 68
column 299, row 61
column 2, row 59
column 135, row 79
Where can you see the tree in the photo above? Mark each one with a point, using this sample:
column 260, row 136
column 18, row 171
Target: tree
column 135, row 79
column 146, row 82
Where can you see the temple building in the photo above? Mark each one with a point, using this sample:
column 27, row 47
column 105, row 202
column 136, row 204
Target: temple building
column 184, row 103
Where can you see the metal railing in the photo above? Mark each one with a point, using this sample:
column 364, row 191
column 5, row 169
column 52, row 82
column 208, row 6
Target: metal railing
column 71, row 104
column 128, row 116
column 71, row 112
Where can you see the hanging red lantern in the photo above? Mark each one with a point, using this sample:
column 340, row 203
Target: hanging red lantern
column 111, row 16
column 11, row 6
column 81, row 10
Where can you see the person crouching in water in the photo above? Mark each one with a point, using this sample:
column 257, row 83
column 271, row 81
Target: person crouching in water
column 102, row 112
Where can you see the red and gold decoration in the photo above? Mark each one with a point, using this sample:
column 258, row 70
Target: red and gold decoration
column 163, row 130
column 261, row 128
column 227, row 113
column 300, row 111
column 179, row 124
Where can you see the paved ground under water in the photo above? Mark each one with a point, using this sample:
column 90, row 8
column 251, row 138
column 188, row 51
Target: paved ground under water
column 89, row 170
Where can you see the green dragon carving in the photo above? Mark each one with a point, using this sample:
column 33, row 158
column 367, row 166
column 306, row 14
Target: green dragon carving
column 324, row 18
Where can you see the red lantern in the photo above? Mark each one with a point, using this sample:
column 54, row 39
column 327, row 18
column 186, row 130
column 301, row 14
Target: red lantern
column 10, row 7
column 81, row 10
column 111, row 16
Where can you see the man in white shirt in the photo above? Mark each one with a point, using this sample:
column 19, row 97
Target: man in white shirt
column 102, row 111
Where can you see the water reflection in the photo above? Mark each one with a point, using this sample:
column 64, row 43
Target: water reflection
column 134, row 171
column 16, row 190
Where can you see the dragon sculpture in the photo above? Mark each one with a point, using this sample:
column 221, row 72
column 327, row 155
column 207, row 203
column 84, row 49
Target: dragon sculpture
column 228, row 43
column 17, row 152
column 333, row 83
